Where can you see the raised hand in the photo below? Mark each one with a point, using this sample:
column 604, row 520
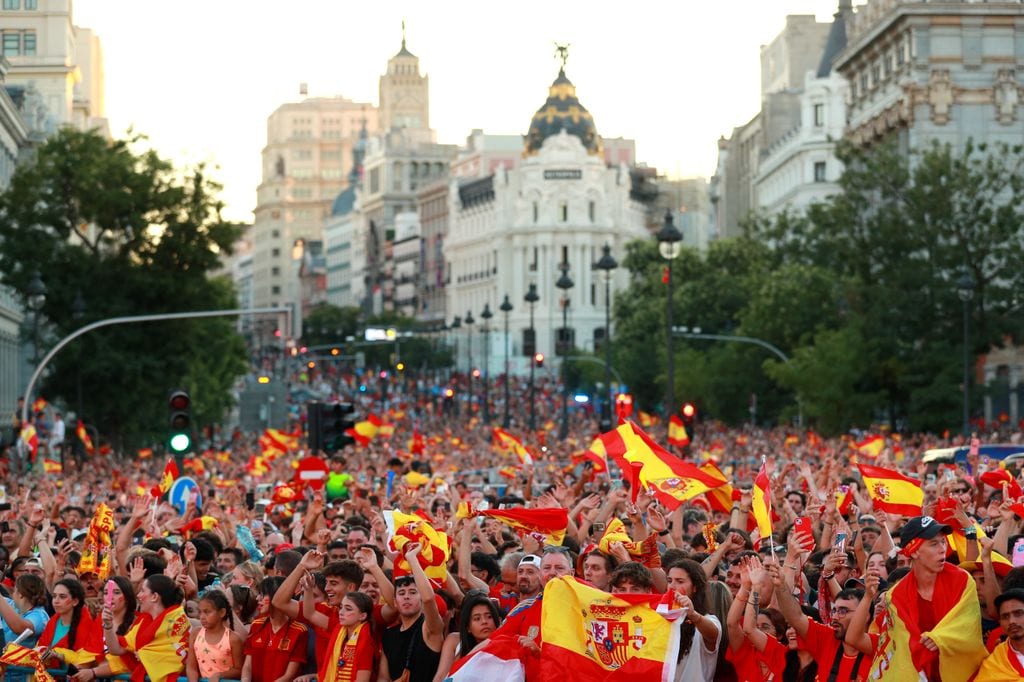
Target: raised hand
column 312, row 560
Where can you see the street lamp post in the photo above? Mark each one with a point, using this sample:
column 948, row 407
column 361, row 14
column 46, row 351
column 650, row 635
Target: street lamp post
column 606, row 265
column 486, row 316
column 455, row 326
column 565, row 283
column 36, row 291
column 669, row 246
column 531, row 297
column 506, row 307
column 965, row 289
column 469, row 354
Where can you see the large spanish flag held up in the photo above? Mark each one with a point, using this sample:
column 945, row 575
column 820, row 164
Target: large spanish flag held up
column 436, row 547
column 594, row 635
column 761, row 502
column 547, row 525
column 671, row 480
column 901, row 656
column 891, row 491
column 595, row 454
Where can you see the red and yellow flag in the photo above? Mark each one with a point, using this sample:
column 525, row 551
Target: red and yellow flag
column 166, row 479
column 891, row 491
column 901, row 655
column 546, row 525
column 363, row 432
column 504, row 441
column 257, row 465
column 593, row 635
column 720, row 498
column 15, row 654
column 415, row 444
column 761, row 502
column 285, row 493
column 52, row 466
column 435, row 545
column 646, row 419
column 144, row 453
column 198, row 525
column 677, row 435
column 385, row 431
column 595, row 454
column 671, row 480
column 30, row 437
column 39, row 405
column 96, row 547
column 871, row 446
column 274, row 443
column 83, row 435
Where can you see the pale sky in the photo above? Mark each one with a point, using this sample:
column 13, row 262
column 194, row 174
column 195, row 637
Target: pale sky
column 200, row 77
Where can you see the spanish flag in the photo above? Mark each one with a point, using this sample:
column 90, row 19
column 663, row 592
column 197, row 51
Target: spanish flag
column 166, row 480
column 198, row 525
column 161, row 644
column 720, row 498
column 386, row 431
column 15, row 654
column 546, row 525
column 504, row 441
column 83, row 435
column 415, row 444
column 1002, row 665
column 901, row 656
column 415, row 479
column 646, row 419
column 616, row 532
column 761, row 504
column 274, row 443
column 144, row 453
column 677, row 435
column 871, row 446
column 891, row 491
column 30, row 437
column 594, row 635
column 257, row 465
column 284, row 493
column 39, row 405
column 364, row 431
column 595, row 454
column 435, row 545
column 52, row 466
column 671, row 480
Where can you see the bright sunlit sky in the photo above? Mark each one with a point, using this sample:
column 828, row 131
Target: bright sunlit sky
column 200, row 77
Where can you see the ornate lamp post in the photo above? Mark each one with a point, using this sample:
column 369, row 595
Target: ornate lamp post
column 565, row 283
column 36, row 291
column 965, row 289
column 607, row 264
column 506, row 307
column 669, row 246
column 531, row 297
column 455, row 325
column 486, row 316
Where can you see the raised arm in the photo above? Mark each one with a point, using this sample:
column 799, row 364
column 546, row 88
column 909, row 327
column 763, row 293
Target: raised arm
column 788, row 604
column 433, row 626
column 857, row 632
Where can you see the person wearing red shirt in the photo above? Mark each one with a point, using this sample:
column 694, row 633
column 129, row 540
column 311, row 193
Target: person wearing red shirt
column 276, row 647
column 756, row 647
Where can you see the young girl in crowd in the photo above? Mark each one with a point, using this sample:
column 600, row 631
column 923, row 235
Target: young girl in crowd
column 215, row 650
column 352, row 649
column 123, row 616
column 71, row 633
column 478, row 618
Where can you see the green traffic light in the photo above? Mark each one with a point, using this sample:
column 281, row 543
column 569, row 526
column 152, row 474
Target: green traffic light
column 180, row 442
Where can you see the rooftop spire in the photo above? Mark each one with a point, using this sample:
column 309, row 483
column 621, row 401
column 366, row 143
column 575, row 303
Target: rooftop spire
column 562, row 54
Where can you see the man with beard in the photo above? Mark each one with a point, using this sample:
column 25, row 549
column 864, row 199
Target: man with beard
column 837, row 661
column 1006, row 662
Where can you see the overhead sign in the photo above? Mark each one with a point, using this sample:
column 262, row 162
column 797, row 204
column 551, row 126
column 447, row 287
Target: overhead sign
column 378, row 334
column 563, row 174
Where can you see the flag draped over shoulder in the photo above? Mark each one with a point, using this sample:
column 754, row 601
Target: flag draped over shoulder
column 901, row 656
column 435, row 545
column 1001, row 666
column 761, row 503
column 671, row 480
column 160, row 644
column 891, row 491
column 594, row 635
column 547, row 525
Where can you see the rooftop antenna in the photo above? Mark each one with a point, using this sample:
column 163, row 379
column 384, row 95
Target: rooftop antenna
column 562, row 53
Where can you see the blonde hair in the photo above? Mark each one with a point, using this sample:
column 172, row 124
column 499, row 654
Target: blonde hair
column 250, row 570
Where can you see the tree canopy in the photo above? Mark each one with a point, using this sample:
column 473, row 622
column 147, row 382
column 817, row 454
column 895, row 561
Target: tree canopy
column 131, row 235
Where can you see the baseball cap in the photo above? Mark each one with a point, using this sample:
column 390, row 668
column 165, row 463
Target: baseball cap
column 922, row 527
column 530, row 560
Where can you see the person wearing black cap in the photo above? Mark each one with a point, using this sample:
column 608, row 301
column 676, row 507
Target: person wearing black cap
column 1006, row 662
column 932, row 625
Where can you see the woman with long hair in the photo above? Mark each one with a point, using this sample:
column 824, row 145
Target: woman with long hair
column 479, row 617
column 71, row 634
column 700, row 632
column 158, row 635
column 25, row 610
column 351, row 649
column 123, row 614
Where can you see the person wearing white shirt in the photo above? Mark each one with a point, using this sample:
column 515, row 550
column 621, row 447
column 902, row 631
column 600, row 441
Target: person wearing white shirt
column 700, row 634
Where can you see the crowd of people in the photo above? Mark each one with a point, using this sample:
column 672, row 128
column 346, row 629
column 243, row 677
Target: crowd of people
column 245, row 584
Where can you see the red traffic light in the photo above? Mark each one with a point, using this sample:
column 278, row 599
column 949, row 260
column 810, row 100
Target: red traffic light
column 538, row 359
column 180, row 401
column 688, row 410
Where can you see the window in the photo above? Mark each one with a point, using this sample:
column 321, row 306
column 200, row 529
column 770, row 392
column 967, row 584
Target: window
column 331, row 174
column 536, row 211
column 275, row 234
column 819, row 115
column 302, row 154
column 302, row 193
column 819, row 171
column 275, row 271
column 12, row 4
column 275, row 290
column 11, row 43
column 275, row 253
column 592, row 211
column 31, row 4
column 565, row 340
column 374, row 181
column 529, row 342
column 564, row 211
column 29, row 44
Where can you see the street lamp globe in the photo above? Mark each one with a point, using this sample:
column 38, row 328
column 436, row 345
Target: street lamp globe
column 606, row 263
column 506, row 305
column 36, row 291
column 965, row 287
column 469, row 318
column 487, row 314
column 669, row 238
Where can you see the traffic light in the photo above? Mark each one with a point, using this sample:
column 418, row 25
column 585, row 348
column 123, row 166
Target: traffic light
column 327, row 424
column 689, row 412
column 538, row 360
column 179, row 440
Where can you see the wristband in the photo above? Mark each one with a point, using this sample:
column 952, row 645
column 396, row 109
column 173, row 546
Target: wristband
column 829, row 576
column 663, row 533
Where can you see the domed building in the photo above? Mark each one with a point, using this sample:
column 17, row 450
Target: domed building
column 523, row 226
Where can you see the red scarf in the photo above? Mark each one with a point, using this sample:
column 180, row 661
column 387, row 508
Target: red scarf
column 949, row 588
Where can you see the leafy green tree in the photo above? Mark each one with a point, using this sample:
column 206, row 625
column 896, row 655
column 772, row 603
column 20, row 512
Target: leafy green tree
column 132, row 235
column 327, row 323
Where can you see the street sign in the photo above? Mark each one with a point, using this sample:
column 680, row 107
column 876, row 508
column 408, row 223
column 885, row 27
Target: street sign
column 180, row 494
column 312, row 471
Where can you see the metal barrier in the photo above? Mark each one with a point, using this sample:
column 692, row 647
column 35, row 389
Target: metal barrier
column 61, row 673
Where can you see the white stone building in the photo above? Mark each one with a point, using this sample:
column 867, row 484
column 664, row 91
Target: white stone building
column 513, row 228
